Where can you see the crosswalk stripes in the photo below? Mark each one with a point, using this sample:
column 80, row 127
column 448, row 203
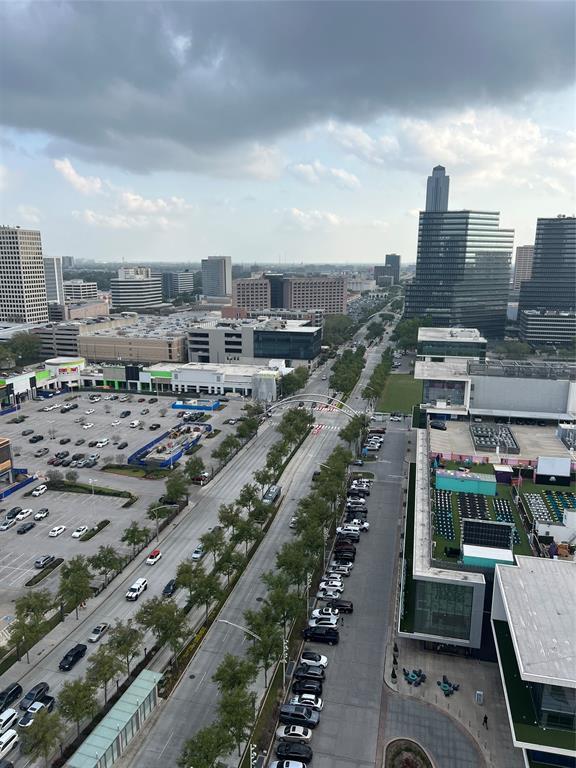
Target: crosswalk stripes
column 319, row 427
column 326, row 408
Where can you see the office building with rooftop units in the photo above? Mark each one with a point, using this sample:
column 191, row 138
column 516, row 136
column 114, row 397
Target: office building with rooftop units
column 277, row 291
column 534, row 625
column 79, row 290
column 22, row 278
column 70, row 311
column 217, row 276
column 245, row 341
column 436, row 344
column 548, row 327
column 176, row 283
column 136, row 288
column 252, row 293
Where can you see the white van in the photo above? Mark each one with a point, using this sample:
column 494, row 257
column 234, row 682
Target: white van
column 135, row 423
column 8, row 718
column 8, row 741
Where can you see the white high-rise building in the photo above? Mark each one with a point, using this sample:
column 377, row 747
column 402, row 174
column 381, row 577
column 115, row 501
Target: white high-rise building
column 22, row 281
column 217, row 276
column 437, row 190
column 79, row 290
column 54, row 279
column 136, row 288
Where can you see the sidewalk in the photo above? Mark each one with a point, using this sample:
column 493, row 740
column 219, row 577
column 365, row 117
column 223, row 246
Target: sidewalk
column 472, row 675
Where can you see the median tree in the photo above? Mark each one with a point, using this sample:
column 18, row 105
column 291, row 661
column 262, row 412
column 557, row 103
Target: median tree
column 234, row 672
column 77, row 701
column 206, row 747
column 176, row 487
column 204, row 589
column 125, row 640
column 106, row 561
column 40, row 739
column 264, row 479
column 267, row 647
column 246, row 531
column 165, row 620
column 230, row 561
column 103, row 666
column 194, row 467
column 75, row 582
column 228, row 516
column 213, row 541
column 236, row 709
column 24, row 633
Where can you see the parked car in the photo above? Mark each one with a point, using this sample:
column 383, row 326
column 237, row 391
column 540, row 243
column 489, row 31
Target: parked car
column 25, row 528
column 80, row 441
column 308, row 700
column 11, row 514
column 333, row 586
column 44, row 561
column 433, row 425
column 314, row 659
column 294, row 714
column 73, row 657
column 80, row 531
column 326, row 612
column 329, row 635
column 41, row 452
column 57, row 530
column 98, row 632
column 27, row 432
column 36, row 439
column 154, row 427
column 24, row 513
column 323, row 621
column 123, row 444
column 198, row 553
column 34, row 694
column 7, row 524
column 64, row 441
column 344, row 606
column 294, row 751
column 298, row 733
column 313, row 687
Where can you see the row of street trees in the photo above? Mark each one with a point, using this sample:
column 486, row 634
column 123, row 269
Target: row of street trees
column 375, row 387
column 346, row 370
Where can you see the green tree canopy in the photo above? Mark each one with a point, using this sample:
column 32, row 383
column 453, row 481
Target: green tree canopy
column 206, row 747
column 77, row 701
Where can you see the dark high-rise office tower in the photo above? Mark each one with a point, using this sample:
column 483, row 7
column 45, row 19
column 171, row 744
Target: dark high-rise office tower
column 276, row 281
column 462, row 271
column 393, row 261
column 552, row 285
column 437, row 190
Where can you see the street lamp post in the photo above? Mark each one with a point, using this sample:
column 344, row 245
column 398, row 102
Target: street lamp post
column 155, row 509
column 284, row 657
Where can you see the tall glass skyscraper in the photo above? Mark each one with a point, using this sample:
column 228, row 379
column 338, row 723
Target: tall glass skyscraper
column 552, row 285
column 437, row 190
column 462, row 271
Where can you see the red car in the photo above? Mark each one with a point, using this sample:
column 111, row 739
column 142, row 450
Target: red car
column 153, row 557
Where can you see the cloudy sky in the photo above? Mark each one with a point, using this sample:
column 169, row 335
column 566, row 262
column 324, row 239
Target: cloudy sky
column 284, row 132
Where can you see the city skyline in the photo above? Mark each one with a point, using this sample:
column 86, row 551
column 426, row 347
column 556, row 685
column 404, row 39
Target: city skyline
column 318, row 156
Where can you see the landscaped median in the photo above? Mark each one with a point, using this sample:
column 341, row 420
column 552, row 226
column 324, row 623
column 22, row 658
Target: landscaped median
column 91, row 489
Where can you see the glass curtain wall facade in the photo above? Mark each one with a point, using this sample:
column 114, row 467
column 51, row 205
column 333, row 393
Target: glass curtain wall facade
column 443, row 609
column 462, row 271
column 553, row 281
column 287, row 344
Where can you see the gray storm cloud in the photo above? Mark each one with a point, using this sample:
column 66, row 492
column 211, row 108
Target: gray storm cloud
column 169, row 86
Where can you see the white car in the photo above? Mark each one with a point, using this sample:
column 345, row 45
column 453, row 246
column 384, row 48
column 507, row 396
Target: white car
column 41, row 514
column 338, row 570
column 364, row 525
column 57, row 530
column 352, row 502
column 107, row 397
column 337, row 579
column 395, row 418
column 89, row 411
column 328, row 594
column 308, row 700
column 314, row 659
column 80, row 531
column 319, row 612
column 335, row 565
column 294, row 733
column 115, row 422
column 98, row 632
column 23, row 514
column 39, row 490
column 332, row 586
column 88, row 425
column 102, row 443
column 324, row 621
column 348, row 529
column 153, row 557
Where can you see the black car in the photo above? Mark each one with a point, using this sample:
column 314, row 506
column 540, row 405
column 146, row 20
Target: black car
column 27, row 432
column 63, row 454
column 304, row 672
column 78, row 456
column 64, row 440
column 344, row 606
column 296, row 714
column 66, row 462
column 80, row 441
column 153, row 400
column 125, row 414
column 351, row 537
column 73, row 657
column 34, row 694
column 92, row 443
column 344, row 556
column 307, row 686
column 293, row 751
column 154, row 427
column 73, row 406
column 123, row 444
column 36, row 439
column 9, row 695
column 5, row 763
column 25, row 527
column 11, row 514
column 170, row 588
column 327, row 635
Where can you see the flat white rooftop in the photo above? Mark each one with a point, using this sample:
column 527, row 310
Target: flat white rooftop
column 539, row 598
column 450, row 334
column 452, row 368
column 225, row 368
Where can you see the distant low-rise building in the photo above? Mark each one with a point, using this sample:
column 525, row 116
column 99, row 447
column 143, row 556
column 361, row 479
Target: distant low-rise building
column 70, row 311
column 177, row 283
column 541, row 327
column 79, row 290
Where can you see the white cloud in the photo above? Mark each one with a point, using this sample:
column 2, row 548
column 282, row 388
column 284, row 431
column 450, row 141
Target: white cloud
column 358, row 142
column 315, row 172
column 88, row 185
column 119, row 220
column 137, row 204
column 309, row 220
column 29, row 214
column 262, row 162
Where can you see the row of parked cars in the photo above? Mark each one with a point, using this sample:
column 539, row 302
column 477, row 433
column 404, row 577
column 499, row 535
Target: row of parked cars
column 301, row 714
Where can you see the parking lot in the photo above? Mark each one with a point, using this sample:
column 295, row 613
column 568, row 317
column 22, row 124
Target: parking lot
column 71, row 510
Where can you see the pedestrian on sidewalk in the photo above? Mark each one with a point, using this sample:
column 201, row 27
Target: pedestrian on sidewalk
column 485, row 722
